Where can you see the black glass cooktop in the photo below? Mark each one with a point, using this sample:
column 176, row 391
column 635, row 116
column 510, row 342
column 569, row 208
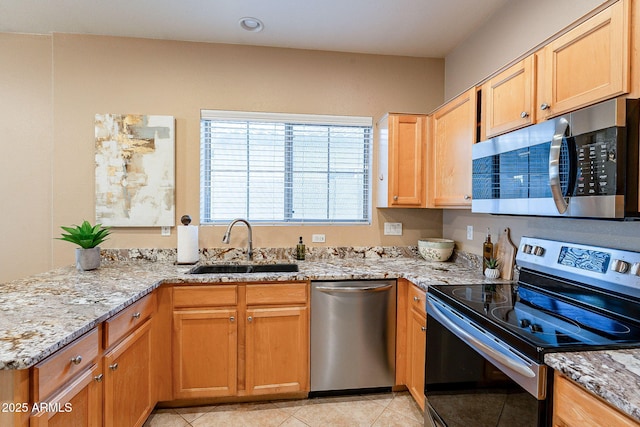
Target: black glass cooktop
column 537, row 321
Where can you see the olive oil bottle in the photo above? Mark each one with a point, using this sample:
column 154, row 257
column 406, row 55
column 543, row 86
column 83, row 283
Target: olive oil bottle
column 487, row 250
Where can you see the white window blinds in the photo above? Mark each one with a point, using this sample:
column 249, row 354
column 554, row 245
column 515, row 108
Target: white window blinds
column 284, row 167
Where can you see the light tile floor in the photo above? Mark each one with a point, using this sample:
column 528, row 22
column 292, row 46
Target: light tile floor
column 379, row 410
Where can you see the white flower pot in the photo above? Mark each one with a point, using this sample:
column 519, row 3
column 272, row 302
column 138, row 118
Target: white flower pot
column 492, row 273
column 87, row 259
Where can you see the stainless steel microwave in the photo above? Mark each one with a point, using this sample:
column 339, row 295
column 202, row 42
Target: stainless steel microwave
column 581, row 165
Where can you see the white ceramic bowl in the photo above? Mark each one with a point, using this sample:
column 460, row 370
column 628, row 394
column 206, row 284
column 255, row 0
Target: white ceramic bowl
column 436, row 249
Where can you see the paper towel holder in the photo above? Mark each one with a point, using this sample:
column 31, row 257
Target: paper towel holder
column 185, row 219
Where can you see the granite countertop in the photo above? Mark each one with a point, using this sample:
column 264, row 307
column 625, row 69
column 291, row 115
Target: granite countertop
column 42, row 313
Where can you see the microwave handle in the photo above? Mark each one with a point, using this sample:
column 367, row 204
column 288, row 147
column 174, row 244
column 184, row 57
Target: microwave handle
column 554, row 165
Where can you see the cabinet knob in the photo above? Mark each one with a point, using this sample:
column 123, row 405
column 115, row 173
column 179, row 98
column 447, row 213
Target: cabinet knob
column 524, row 114
column 232, row 319
column 250, row 319
column 467, row 197
column 76, row 360
column 416, row 299
column 136, row 315
column 423, row 328
column 113, row 367
column 395, row 198
column 98, row 378
column 545, row 106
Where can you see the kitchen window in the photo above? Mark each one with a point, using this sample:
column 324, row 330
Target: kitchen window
column 284, row 168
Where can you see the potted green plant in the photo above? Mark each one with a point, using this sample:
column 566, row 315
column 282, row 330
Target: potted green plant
column 88, row 237
column 491, row 268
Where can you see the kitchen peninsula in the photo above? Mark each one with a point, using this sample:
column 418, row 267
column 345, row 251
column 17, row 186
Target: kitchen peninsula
column 44, row 314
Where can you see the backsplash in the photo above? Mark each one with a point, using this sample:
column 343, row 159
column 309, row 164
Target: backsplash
column 208, row 255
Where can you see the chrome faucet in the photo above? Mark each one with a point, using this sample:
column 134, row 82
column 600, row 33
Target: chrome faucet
column 227, row 236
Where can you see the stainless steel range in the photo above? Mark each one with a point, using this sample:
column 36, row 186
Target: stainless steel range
column 486, row 343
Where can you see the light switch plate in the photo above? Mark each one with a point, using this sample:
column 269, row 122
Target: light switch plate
column 165, row 231
column 469, row 232
column 393, row 229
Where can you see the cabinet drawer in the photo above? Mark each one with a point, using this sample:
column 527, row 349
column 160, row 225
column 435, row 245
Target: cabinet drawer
column 287, row 293
column 128, row 319
column 205, row 296
column 575, row 406
column 417, row 299
column 63, row 365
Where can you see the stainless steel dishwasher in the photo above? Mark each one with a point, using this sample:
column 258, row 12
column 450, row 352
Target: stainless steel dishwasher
column 353, row 335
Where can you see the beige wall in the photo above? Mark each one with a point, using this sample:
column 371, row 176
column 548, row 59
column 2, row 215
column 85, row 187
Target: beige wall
column 92, row 74
column 25, row 164
column 518, row 27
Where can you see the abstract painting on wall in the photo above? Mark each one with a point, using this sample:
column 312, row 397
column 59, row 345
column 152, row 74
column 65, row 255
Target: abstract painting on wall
column 135, row 170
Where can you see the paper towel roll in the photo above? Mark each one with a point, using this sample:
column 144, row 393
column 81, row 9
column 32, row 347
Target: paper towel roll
column 188, row 244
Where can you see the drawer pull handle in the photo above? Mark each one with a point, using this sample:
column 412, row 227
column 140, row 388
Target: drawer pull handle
column 98, row 378
column 136, row 315
column 76, row 360
column 113, row 367
column 416, row 299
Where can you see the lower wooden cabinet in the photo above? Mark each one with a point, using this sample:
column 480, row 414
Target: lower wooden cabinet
column 574, row 406
column 411, row 339
column 77, row 404
column 205, row 353
column 254, row 342
column 128, row 398
column 277, row 342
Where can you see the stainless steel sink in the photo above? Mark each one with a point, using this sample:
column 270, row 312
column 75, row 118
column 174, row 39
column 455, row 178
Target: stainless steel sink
column 244, row 268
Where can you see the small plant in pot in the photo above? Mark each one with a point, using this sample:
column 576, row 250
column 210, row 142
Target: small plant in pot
column 88, row 237
column 491, row 268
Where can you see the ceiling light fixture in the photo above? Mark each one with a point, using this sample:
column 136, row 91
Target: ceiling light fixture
column 251, row 24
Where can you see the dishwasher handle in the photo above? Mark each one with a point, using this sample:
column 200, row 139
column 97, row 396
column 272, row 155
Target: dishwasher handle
column 352, row 289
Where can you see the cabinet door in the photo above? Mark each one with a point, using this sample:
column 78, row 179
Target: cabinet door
column 277, row 350
column 452, row 134
column 79, row 404
column 508, row 100
column 589, row 63
column 416, row 347
column 407, row 160
column 127, row 380
column 205, row 353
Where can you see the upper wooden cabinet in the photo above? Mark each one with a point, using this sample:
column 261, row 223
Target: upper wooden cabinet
column 508, row 99
column 587, row 64
column 401, row 161
column 452, row 133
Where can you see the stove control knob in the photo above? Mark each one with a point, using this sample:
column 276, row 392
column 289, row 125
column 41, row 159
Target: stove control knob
column 538, row 250
column 534, row 327
column 635, row 269
column 524, row 323
column 527, row 249
column 620, row 266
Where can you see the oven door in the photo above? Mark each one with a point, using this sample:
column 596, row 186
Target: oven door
column 473, row 378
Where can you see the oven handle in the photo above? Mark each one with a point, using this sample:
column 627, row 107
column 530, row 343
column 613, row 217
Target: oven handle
column 515, row 365
column 554, row 165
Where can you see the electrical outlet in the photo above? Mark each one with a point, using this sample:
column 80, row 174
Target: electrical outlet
column 165, row 231
column 393, row 229
column 318, row 238
column 469, row 232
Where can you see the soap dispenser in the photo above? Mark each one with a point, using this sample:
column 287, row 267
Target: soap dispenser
column 300, row 250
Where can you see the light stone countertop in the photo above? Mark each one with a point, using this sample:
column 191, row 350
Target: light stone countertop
column 42, row 313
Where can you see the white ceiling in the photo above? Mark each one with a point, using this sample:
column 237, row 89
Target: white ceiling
column 422, row 28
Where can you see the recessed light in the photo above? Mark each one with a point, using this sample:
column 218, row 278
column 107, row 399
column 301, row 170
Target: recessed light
column 251, row 24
